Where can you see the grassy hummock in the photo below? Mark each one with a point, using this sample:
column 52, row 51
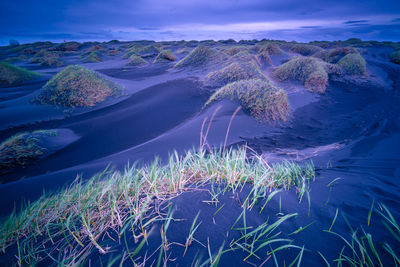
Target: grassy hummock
column 308, row 70
column 199, row 56
column 271, row 48
column 305, row 49
column 395, row 57
column 68, row 226
column 92, row 57
column 165, row 56
column 260, row 98
column 77, row 86
column 353, row 64
column 335, row 54
column 233, row 72
column 10, row 74
column 136, row 60
column 22, row 149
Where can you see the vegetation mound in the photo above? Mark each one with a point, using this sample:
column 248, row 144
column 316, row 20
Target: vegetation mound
column 305, row 49
column 308, row 70
column 199, row 56
column 260, row 98
column 395, row 57
column 353, row 64
column 77, row 86
column 144, row 51
column 233, row 72
column 165, row 56
column 335, row 54
column 231, row 51
column 136, row 60
column 22, row 149
column 10, row 74
column 92, row 57
column 271, row 49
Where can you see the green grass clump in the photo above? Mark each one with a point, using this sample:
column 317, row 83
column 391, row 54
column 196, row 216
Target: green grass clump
column 22, row 149
column 271, row 48
column 395, row 57
column 199, row 56
column 233, row 72
column 308, row 70
column 335, row 54
column 231, row 51
column 92, row 57
column 305, row 49
column 69, row 225
column 136, row 60
column 260, row 98
column 77, row 86
column 144, row 51
column 353, row 64
column 10, row 74
column 165, row 56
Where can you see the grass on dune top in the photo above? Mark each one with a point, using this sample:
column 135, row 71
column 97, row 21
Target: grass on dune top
column 10, row 74
column 23, row 148
column 200, row 56
column 260, row 98
column 77, row 86
column 71, row 222
column 395, row 57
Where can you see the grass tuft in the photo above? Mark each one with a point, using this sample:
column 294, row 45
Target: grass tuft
column 305, row 49
column 353, row 64
column 199, row 56
column 260, row 98
column 232, row 73
column 136, row 60
column 10, row 74
column 395, row 57
column 308, row 70
column 22, row 149
column 165, row 56
column 92, row 57
column 77, row 86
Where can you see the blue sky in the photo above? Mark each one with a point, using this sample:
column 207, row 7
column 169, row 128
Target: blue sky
column 29, row 20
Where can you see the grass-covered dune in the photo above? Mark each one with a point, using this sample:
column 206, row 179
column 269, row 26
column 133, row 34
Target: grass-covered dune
column 92, row 57
column 136, row 60
column 353, row 64
column 200, row 56
column 77, row 86
column 144, row 51
column 10, row 74
column 260, row 98
column 67, row 227
column 308, row 70
column 395, row 57
column 305, row 49
column 233, row 72
column 165, row 56
column 335, row 54
column 22, row 149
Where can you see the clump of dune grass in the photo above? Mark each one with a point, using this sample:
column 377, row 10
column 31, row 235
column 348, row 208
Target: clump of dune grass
column 233, row 72
column 335, row 54
column 395, row 57
column 51, row 62
column 67, row 226
column 308, row 70
column 113, row 52
column 10, row 74
column 260, row 98
column 305, row 49
column 144, row 51
column 271, row 49
column 22, row 149
column 353, row 64
column 233, row 50
column 244, row 57
column 67, row 46
column 77, row 86
column 136, row 60
column 165, row 56
column 199, row 56
column 16, row 59
column 92, row 57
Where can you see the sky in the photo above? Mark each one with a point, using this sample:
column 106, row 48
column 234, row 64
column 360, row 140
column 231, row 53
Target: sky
column 303, row 21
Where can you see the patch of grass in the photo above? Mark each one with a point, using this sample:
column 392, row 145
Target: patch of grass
column 67, row 226
column 335, row 54
column 68, row 46
column 144, row 51
column 271, row 48
column 308, row 70
column 305, row 49
column 77, row 86
column 260, row 98
column 113, row 52
column 16, row 59
column 92, row 57
column 353, row 64
column 233, row 72
column 10, row 74
column 199, row 56
column 233, row 50
column 395, row 57
column 22, row 149
column 52, row 62
column 165, row 56
column 244, row 57
column 136, row 60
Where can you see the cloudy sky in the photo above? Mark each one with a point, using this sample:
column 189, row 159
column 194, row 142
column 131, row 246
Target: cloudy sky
column 33, row 20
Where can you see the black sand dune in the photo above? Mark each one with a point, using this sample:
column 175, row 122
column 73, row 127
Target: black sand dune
column 351, row 133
